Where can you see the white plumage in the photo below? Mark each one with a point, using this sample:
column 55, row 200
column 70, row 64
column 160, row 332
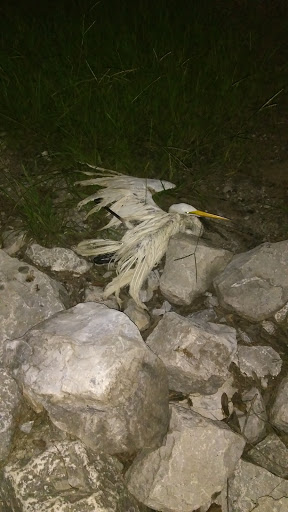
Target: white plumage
column 131, row 197
column 149, row 228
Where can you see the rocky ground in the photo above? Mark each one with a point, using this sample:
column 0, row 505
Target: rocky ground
column 232, row 389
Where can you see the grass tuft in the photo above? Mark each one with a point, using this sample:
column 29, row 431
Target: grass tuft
column 32, row 200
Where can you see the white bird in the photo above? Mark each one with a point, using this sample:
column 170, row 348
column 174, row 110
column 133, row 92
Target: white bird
column 149, row 228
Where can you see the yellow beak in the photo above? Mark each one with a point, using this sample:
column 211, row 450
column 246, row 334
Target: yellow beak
column 199, row 213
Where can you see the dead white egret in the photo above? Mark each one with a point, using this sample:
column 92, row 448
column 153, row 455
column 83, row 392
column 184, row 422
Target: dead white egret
column 149, row 228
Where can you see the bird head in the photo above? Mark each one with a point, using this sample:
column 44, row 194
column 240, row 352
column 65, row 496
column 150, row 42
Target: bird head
column 190, row 210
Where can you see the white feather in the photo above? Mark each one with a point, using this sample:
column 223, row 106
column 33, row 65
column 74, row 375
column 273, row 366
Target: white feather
column 129, row 197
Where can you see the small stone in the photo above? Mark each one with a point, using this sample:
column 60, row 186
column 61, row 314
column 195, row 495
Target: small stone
column 165, row 308
column 211, row 301
column 26, row 427
column 268, row 327
column 151, row 284
column 244, row 336
column 281, row 315
column 95, row 294
column 259, row 360
column 205, row 315
column 138, row 316
column 58, row 259
column 272, row 455
column 211, row 406
column 107, row 274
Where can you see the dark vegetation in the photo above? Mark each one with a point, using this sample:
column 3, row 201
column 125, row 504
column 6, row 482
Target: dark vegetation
column 143, row 87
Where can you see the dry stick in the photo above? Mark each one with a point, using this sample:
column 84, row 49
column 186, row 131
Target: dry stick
column 192, row 254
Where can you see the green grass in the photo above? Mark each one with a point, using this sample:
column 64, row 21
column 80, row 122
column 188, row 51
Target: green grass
column 31, row 199
column 139, row 87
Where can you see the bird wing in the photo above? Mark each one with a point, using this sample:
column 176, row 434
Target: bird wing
column 129, row 197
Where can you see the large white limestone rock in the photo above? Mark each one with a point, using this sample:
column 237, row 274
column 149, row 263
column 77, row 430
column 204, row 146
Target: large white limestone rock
column 27, row 297
column 197, row 355
column 271, row 454
column 98, row 380
column 255, row 283
column 64, row 477
column 190, row 268
column 192, row 465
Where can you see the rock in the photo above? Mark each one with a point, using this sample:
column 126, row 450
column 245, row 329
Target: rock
column 190, row 269
column 90, row 369
column 212, row 406
column 165, row 308
column 268, row 327
column 281, row 315
column 204, row 315
column 197, row 356
column 10, row 408
column 191, row 466
column 15, row 353
column 151, row 284
column 13, row 240
column 211, row 301
column 268, row 504
column 96, row 294
column 138, row 316
column 65, row 478
column 243, row 336
column 59, row 259
column 221, row 501
column 259, row 360
column 27, row 297
column 255, row 283
column 26, row 427
column 272, row 455
column 254, row 421
column 249, row 484
column 279, row 410
column 108, row 274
